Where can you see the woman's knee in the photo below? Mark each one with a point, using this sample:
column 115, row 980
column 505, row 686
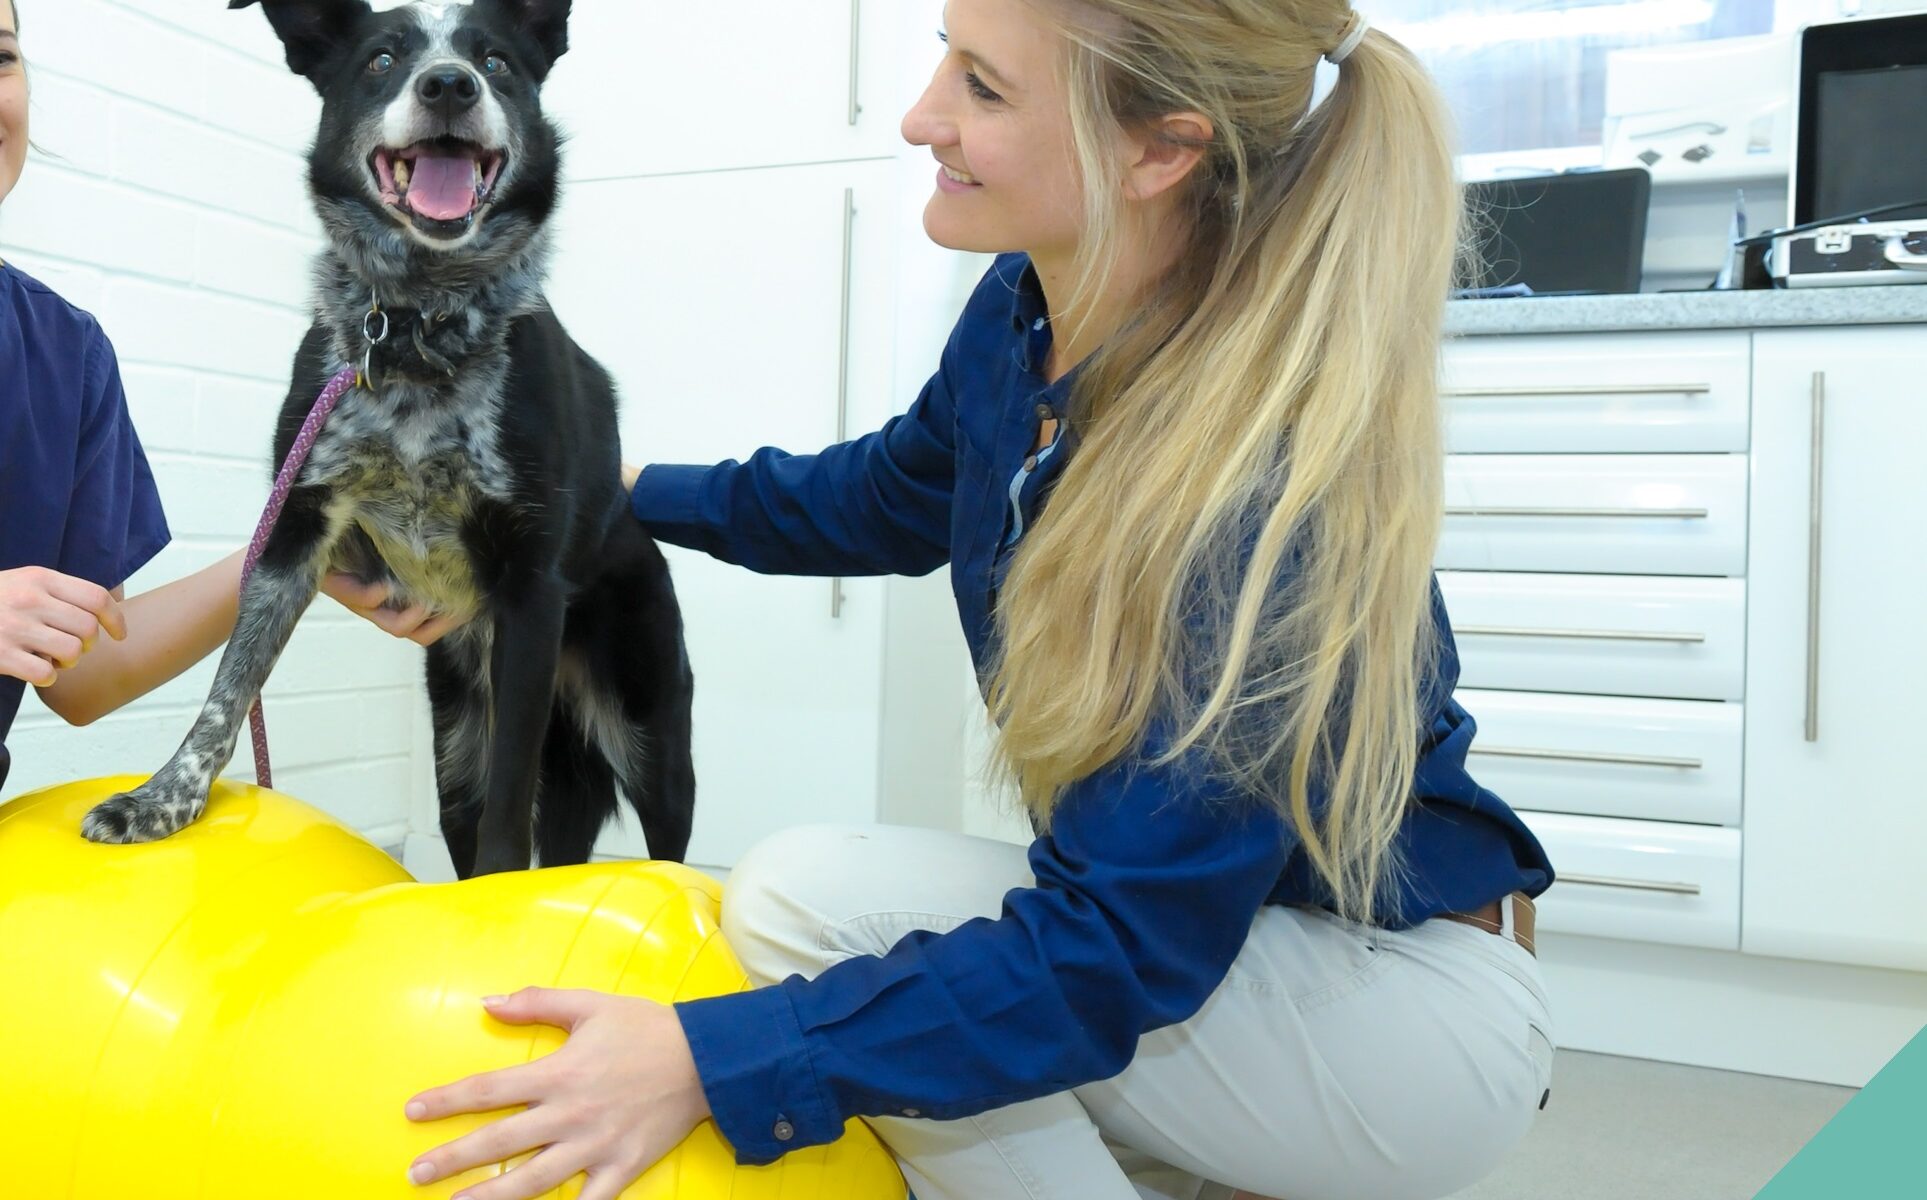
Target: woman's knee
column 781, row 893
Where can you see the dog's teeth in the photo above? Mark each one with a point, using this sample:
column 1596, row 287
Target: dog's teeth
column 401, row 173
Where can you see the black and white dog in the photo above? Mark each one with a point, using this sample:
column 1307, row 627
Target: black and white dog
column 478, row 468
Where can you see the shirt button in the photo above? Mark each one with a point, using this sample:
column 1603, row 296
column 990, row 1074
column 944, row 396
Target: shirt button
column 1030, row 464
column 913, row 1113
column 784, row 1131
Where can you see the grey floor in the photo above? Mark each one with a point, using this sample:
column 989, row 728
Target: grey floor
column 1626, row 1129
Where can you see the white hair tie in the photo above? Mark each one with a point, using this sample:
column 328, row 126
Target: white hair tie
column 1355, row 33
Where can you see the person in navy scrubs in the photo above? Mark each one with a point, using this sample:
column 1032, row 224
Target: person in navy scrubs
column 79, row 512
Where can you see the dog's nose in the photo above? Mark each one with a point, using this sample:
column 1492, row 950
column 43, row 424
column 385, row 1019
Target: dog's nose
column 450, row 91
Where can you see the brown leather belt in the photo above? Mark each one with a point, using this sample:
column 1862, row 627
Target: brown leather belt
column 1492, row 919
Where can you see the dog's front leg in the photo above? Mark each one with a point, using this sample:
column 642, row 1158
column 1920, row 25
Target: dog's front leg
column 283, row 585
column 529, row 616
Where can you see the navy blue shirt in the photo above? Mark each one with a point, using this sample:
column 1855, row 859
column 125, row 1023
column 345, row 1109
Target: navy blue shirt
column 1141, row 903
column 76, row 494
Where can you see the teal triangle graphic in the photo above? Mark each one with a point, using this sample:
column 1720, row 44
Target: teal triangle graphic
column 1873, row 1148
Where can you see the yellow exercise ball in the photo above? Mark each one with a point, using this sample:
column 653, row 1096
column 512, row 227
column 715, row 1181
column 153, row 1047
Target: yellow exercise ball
column 243, row 1009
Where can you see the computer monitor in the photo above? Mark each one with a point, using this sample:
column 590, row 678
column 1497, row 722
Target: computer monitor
column 1863, row 89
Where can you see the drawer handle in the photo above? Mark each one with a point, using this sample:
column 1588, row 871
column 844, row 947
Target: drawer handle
column 1814, row 518
column 1687, row 514
column 1635, row 885
column 1599, row 635
column 1586, row 756
column 1584, row 389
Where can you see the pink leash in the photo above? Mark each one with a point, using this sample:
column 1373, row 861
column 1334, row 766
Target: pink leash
column 324, row 406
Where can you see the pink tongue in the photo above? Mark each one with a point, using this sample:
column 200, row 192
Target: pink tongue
column 442, row 188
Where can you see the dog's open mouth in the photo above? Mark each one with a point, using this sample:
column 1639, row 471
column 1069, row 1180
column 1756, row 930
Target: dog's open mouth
column 440, row 184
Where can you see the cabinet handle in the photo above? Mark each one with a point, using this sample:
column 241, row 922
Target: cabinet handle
column 1689, row 514
column 1624, row 760
column 1636, row 885
column 843, row 360
column 1814, row 515
column 1582, row 389
column 1602, row 635
column 856, row 50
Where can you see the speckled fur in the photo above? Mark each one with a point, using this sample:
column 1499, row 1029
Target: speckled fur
column 477, row 475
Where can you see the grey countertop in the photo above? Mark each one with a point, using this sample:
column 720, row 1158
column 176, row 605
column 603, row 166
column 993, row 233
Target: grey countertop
column 1888, row 305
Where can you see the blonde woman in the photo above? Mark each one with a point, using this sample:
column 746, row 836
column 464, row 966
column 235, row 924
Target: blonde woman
column 1183, row 458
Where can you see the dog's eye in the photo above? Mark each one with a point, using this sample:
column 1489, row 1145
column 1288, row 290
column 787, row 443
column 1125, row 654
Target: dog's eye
column 495, row 64
column 381, row 63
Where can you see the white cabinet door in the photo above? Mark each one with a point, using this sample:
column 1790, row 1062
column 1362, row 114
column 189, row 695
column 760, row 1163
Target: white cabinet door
column 659, row 88
column 1836, row 798
column 716, row 302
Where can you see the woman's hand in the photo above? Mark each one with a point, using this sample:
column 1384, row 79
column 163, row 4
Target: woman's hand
column 417, row 623
column 620, row 1093
column 48, row 620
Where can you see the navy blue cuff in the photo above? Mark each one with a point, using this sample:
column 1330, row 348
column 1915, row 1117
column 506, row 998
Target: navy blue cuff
column 755, row 1067
column 667, row 496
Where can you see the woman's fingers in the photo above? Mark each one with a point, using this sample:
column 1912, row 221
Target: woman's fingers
column 606, row 1185
column 95, row 601
column 496, row 1142
column 542, row 1174
column 417, row 623
column 487, row 1092
column 354, row 593
column 29, row 668
column 63, row 650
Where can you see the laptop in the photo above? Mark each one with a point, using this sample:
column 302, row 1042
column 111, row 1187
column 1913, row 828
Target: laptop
column 1582, row 233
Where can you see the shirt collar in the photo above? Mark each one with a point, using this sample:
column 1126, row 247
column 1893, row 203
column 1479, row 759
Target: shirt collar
column 1029, row 320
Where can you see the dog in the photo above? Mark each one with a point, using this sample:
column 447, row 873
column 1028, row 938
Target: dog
column 475, row 469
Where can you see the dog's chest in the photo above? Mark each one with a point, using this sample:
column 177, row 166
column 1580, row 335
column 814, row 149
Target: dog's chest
column 411, row 477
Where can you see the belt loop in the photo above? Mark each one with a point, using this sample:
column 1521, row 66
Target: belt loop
column 1507, row 930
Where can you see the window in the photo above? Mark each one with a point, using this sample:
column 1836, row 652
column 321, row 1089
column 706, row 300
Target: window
column 1531, row 74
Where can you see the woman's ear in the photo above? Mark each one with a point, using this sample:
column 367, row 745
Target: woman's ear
column 1165, row 153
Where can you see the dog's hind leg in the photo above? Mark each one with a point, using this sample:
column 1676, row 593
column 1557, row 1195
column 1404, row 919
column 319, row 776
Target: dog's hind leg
column 577, row 795
column 456, row 691
column 665, row 799
column 282, row 587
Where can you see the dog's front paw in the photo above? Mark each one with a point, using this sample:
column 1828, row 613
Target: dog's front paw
column 150, row 812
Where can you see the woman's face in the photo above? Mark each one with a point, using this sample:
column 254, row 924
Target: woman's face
column 997, row 117
column 13, row 102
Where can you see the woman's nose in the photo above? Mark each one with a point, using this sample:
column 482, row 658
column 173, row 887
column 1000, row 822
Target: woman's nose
column 926, row 124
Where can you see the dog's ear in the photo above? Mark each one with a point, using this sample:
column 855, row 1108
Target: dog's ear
column 310, row 30
column 546, row 22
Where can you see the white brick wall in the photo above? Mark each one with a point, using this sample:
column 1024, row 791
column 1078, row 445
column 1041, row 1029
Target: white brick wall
column 170, row 202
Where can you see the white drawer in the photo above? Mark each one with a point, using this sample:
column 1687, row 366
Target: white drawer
column 1598, row 393
column 1608, row 635
column 1642, row 880
column 1608, row 756
column 1632, row 514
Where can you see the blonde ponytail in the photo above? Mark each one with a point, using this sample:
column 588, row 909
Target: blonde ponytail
column 1239, row 554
